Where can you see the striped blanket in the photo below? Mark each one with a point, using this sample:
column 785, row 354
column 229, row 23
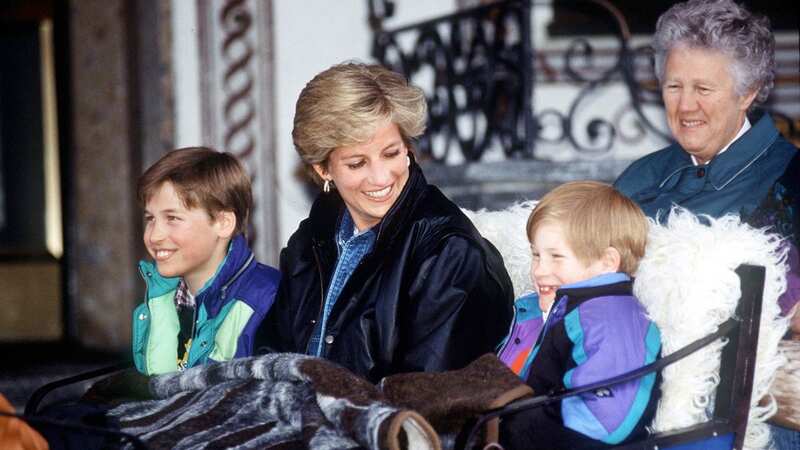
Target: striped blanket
column 290, row 401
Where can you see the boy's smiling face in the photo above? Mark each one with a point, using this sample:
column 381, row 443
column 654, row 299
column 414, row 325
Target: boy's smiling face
column 554, row 263
column 183, row 241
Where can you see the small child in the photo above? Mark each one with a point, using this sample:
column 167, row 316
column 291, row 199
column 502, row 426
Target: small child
column 583, row 324
column 206, row 294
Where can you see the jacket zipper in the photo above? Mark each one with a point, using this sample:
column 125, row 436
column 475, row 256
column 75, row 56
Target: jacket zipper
column 502, row 347
column 236, row 275
column 223, row 291
column 146, row 278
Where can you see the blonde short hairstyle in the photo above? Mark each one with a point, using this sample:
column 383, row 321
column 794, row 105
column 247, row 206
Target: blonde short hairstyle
column 346, row 104
column 594, row 216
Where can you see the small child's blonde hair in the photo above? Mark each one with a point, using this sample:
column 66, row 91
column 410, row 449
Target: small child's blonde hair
column 594, row 216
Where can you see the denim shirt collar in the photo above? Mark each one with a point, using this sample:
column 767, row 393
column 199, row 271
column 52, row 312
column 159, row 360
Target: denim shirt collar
column 352, row 249
column 346, row 232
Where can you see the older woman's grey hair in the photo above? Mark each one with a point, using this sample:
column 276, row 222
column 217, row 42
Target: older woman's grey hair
column 724, row 26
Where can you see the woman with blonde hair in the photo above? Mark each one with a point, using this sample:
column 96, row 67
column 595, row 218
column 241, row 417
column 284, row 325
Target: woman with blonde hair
column 386, row 275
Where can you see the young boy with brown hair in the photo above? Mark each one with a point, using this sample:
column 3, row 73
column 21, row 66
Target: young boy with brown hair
column 206, row 293
column 583, row 323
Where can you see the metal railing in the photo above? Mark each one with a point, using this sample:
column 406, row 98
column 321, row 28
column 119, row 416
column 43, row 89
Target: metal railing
column 479, row 67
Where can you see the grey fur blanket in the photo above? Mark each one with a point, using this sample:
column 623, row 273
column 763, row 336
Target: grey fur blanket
column 290, row 401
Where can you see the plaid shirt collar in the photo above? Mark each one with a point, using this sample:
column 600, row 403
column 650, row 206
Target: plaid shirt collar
column 183, row 297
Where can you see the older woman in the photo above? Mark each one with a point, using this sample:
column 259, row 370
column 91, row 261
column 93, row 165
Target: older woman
column 386, row 275
column 714, row 60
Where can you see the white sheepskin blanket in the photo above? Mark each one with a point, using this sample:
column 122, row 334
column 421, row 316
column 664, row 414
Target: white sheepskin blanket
column 688, row 285
column 505, row 229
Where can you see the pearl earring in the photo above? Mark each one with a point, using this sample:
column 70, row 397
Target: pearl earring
column 408, row 161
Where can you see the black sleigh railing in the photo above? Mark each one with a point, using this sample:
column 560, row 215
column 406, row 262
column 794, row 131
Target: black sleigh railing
column 726, row 426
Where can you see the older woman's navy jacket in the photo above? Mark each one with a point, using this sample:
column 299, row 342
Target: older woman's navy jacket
column 736, row 181
column 431, row 295
column 758, row 178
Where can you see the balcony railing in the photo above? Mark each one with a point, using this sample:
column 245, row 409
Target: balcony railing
column 519, row 103
column 480, row 66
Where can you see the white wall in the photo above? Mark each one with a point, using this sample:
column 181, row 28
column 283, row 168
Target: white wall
column 186, row 62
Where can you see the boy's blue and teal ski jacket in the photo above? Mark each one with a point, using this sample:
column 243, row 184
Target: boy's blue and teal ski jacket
column 229, row 309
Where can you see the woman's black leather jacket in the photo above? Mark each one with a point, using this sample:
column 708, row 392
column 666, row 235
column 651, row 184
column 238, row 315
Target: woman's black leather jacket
column 432, row 294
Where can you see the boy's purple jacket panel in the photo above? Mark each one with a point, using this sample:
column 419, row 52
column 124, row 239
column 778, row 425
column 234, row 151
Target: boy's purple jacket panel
column 605, row 332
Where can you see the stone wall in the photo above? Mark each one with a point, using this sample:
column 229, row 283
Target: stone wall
column 121, row 119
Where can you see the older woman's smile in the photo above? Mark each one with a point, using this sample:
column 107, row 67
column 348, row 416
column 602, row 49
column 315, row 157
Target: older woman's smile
column 691, row 123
